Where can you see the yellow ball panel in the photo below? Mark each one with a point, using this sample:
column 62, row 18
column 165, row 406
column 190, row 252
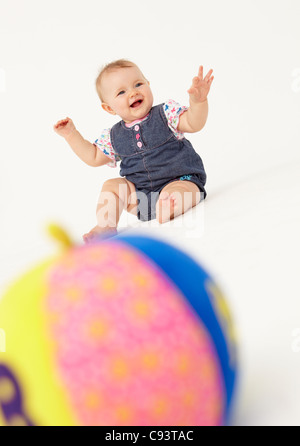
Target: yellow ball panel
column 29, row 354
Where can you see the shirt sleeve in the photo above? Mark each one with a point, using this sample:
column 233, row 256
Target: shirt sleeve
column 173, row 111
column 103, row 143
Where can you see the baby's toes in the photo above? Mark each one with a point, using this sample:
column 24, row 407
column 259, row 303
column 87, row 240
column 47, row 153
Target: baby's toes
column 87, row 237
column 164, row 195
column 173, row 198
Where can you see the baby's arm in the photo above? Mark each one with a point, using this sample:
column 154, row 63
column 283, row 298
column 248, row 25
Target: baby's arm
column 195, row 117
column 86, row 151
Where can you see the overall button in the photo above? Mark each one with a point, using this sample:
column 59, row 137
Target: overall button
column 136, row 128
column 139, row 144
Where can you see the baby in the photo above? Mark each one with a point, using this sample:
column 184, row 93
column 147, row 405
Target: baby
column 162, row 175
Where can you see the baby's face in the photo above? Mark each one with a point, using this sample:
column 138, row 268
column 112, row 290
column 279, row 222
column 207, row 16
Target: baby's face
column 126, row 93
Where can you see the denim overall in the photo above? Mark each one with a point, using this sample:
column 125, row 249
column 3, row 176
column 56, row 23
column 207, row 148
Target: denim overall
column 151, row 157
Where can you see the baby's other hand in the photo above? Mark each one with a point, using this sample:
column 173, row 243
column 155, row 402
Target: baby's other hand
column 64, row 127
column 200, row 87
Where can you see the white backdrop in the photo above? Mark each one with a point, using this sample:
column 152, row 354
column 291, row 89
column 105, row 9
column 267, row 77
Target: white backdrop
column 50, row 54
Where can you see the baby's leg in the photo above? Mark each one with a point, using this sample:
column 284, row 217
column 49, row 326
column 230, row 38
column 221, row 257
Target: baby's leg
column 116, row 194
column 175, row 199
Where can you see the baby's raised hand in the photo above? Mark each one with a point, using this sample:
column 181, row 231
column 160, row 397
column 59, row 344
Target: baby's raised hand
column 64, row 127
column 200, row 87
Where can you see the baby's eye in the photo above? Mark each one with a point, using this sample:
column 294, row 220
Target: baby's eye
column 139, row 84
column 121, row 92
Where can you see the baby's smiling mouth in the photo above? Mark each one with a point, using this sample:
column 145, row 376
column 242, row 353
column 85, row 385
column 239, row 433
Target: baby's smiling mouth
column 136, row 103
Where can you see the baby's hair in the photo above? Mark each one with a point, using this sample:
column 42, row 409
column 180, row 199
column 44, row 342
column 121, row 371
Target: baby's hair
column 115, row 65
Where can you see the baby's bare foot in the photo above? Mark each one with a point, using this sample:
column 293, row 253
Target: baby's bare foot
column 97, row 231
column 167, row 205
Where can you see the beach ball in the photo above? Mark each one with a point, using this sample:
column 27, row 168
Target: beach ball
column 125, row 331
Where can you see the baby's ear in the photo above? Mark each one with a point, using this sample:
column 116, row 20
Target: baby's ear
column 107, row 108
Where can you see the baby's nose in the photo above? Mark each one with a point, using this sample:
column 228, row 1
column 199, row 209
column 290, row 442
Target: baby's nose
column 133, row 92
